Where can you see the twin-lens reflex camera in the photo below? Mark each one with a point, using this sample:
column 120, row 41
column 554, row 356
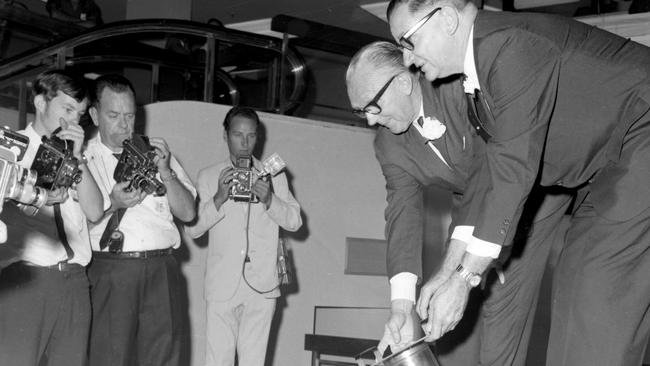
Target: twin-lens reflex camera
column 244, row 176
column 136, row 165
column 17, row 183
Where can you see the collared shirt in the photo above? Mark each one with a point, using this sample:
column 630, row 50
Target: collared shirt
column 469, row 67
column 475, row 245
column 146, row 226
column 35, row 239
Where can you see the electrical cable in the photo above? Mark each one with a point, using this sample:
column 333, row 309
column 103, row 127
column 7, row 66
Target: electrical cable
column 247, row 258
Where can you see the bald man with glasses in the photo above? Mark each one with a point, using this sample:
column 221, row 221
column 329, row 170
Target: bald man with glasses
column 425, row 140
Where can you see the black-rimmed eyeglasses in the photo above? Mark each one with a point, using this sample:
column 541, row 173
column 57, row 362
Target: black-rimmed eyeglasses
column 405, row 40
column 372, row 107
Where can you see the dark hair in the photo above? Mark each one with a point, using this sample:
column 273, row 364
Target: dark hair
column 50, row 82
column 245, row 112
column 114, row 82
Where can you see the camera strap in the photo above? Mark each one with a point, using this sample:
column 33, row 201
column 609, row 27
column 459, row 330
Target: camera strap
column 58, row 219
column 108, row 238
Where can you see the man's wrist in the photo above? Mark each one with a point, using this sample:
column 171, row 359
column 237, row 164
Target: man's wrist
column 218, row 202
column 402, row 305
column 168, row 176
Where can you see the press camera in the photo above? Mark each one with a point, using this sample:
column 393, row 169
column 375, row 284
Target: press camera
column 17, row 183
column 244, row 176
column 54, row 163
column 136, row 165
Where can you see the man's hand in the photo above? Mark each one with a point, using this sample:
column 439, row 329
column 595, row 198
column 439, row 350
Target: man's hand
column 120, row 198
column 262, row 189
column 402, row 327
column 57, row 195
column 429, row 289
column 163, row 156
column 223, row 189
column 73, row 132
column 446, row 308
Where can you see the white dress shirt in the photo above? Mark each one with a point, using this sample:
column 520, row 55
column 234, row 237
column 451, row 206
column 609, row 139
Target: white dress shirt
column 146, row 226
column 35, row 239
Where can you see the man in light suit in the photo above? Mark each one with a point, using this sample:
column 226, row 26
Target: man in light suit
column 241, row 282
column 413, row 156
column 564, row 104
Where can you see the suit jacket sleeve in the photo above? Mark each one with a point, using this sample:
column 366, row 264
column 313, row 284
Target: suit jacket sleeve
column 284, row 209
column 518, row 74
column 208, row 215
column 403, row 214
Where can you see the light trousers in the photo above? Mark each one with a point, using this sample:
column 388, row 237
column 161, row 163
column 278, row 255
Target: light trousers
column 239, row 325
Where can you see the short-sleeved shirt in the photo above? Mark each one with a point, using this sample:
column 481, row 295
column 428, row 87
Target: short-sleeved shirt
column 146, row 226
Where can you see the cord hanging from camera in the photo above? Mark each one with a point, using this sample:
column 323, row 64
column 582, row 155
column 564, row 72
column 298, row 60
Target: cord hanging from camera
column 247, row 258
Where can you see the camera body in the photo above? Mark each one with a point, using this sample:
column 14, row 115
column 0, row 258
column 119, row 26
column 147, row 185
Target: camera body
column 55, row 165
column 244, row 176
column 16, row 182
column 136, row 165
column 241, row 190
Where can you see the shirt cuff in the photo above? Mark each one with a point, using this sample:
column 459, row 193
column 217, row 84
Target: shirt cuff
column 402, row 286
column 463, row 233
column 483, row 248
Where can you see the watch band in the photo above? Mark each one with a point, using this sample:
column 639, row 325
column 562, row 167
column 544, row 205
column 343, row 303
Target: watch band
column 472, row 278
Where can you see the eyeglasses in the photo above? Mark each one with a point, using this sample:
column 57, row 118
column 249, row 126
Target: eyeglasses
column 372, row 107
column 405, row 40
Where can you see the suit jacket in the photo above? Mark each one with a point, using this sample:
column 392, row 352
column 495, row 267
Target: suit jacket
column 565, row 96
column 409, row 164
column 228, row 235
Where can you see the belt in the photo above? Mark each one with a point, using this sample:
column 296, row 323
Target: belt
column 133, row 255
column 61, row 266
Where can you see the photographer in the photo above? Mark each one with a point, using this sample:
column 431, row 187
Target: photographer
column 135, row 279
column 241, row 282
column 44, row 300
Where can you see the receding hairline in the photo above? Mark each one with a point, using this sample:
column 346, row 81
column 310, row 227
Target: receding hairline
column 375, row 57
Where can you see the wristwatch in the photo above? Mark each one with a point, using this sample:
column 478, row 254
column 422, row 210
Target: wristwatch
column 472, row 278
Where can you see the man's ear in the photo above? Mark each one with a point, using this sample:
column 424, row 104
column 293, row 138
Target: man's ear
column 40, row 103
column 450, row 19
column 92, row 111
column 405, row 83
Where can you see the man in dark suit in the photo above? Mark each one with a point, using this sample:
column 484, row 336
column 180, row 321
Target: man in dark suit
column 426, row 141
column 564, row 104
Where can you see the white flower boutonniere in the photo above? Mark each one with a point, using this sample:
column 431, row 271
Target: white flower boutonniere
column 432, row 129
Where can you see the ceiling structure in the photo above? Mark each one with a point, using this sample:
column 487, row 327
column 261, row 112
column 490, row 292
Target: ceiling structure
column 366, row 16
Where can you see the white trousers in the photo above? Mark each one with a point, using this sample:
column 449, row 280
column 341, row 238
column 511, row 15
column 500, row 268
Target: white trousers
column 241, row 325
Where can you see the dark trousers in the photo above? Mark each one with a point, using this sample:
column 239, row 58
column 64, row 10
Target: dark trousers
column 601, row 288
column 137, row 316
column 44, row 316
column 497, row 326
column 601, row 302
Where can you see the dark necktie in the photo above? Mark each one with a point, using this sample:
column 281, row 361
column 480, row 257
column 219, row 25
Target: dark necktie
column 479, row 113
column 58, row 219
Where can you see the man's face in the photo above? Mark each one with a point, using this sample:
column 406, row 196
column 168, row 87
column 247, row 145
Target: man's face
column 57, row 112
column 430, row 41
column 114, row 115
column 397, row 111
column 241, row 137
